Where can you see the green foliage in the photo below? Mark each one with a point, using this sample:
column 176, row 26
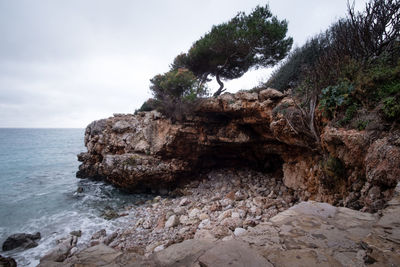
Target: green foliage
column 354, row 65
column 175, row 91
column 291, row 71
column 349, row 114
column 333, row 97
column 230, row 49
column 391, row 107
column 177, row 84
column 362, row 124
column 148, row 105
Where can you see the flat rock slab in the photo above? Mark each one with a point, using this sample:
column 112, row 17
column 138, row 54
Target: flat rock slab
column 318, row 234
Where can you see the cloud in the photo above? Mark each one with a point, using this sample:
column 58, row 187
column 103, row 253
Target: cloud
column 66, row 63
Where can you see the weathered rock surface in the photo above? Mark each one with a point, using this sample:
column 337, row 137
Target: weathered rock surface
column 22, row 240
column 148, row 152
column 61, row 251
column 307, row 234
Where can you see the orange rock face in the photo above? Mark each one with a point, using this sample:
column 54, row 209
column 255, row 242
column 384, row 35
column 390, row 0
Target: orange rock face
column 149, row 152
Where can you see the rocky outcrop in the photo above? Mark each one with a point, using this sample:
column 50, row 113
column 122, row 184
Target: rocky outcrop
column 21, row 240
column 357, row 169
column 7, row 262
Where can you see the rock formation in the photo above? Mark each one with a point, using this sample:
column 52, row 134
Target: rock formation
column 357, row 169
column 21, row 240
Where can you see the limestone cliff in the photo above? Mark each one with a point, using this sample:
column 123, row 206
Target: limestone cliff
column 357, row 169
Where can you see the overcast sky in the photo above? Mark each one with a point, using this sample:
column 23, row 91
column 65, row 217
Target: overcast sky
column 67, row 63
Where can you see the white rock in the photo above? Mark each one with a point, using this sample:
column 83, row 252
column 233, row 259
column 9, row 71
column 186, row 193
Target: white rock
column 159, row 248
column 203, row 216
column 239, row 231
column 235, row 215
column 146, row 224
column 204, row 223
column 184, row 202
column 73, row 251
column 172, row 221
column 194, row 213
column 225, row 214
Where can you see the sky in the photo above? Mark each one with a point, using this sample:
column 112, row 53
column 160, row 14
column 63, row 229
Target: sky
column 67, row 63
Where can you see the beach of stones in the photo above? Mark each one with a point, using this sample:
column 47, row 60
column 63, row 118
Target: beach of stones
column 222, row 205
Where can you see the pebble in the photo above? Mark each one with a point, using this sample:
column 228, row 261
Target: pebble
column 172, row 221
column 239, row 231
column 221, row 206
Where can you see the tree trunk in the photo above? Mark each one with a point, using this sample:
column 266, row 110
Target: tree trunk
column 221, row 86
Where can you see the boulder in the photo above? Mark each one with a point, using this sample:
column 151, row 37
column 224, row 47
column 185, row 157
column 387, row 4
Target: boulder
column 7, row 262
column 22, row 240
column 270, row 93
column 61, row 251
column 172, row 221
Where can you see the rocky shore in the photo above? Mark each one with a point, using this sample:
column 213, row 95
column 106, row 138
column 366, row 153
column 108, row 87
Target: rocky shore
column 307, row 234
column 243, row 180
column 223, row 204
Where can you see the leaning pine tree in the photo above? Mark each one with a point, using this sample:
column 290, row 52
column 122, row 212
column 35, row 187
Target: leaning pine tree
column 230, row 49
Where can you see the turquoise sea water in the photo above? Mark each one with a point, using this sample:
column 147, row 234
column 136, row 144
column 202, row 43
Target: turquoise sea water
column 38, row 190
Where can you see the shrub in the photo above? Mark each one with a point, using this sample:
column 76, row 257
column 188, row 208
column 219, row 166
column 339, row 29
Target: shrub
column 349, row 114
column 291, row 71
column 149, row 105
column 333, row 97
column 362, row 124
column 391, row 107
column 175, row 92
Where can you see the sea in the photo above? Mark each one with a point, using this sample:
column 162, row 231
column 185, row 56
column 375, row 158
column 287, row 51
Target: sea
column 38, row 191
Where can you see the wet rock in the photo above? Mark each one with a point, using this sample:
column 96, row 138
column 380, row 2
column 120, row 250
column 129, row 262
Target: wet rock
column 99, row 234
column 109, row 214
column 110, row 238
column 77, row 233
column 7, row 262
column 61, row 251
column 22, row 240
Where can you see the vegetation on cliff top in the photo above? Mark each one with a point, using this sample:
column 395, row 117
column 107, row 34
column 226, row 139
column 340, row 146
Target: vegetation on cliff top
column 352, row 70
column 348, row 75
column 228, row 51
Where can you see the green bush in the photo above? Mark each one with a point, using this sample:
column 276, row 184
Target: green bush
column 391, row 107
column 333, row 97
column 350, row 112
column 149, row 105
column 291, row 71
column 357, row 60
column 362, row 124
column 175, row 92
column 178, row 84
